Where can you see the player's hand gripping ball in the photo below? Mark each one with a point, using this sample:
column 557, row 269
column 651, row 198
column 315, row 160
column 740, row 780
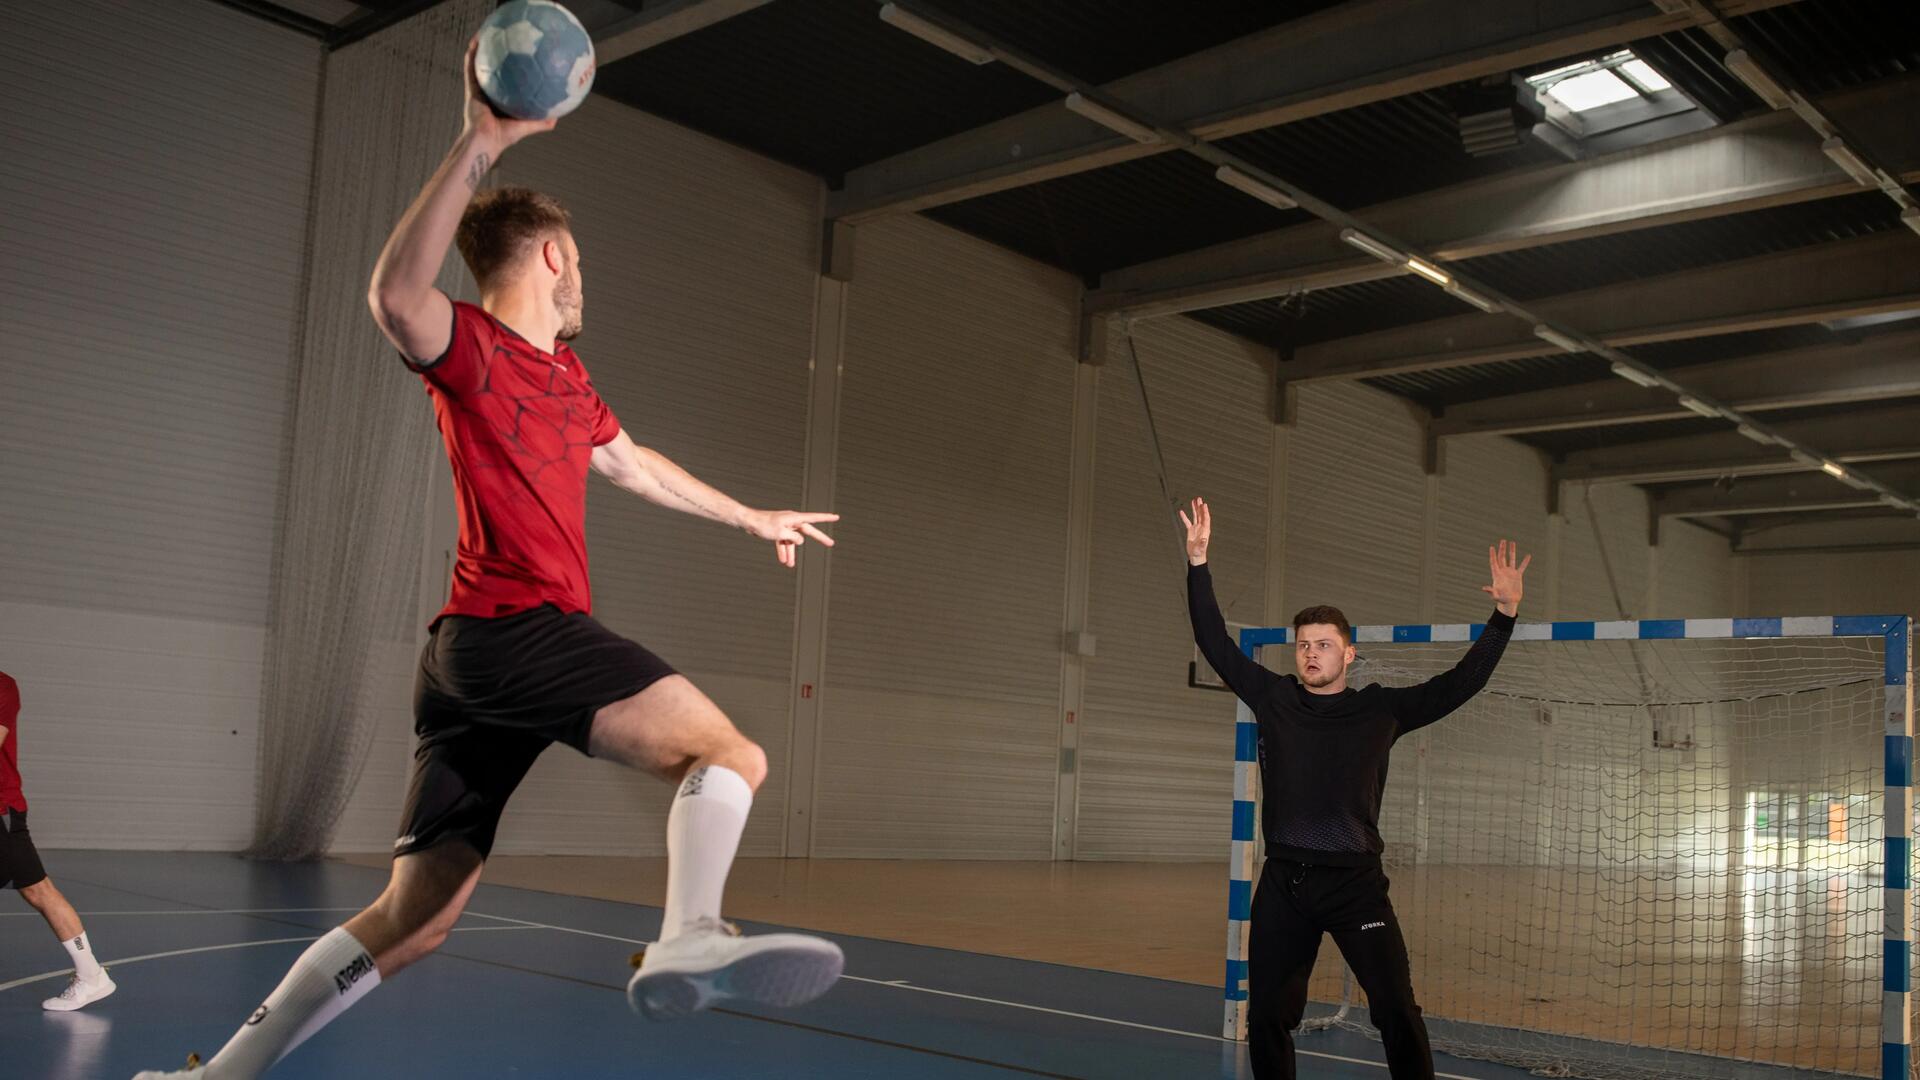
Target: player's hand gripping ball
column 535, row 60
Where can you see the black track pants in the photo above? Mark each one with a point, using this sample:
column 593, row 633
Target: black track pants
column 1293, row 906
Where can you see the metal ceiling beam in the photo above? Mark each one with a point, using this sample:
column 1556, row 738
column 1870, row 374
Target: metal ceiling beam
column 1856, row 438
column 1769, row 160
column 1865, row 276
column 662, row 23
column 1775, row 494
column 1353, row 54
column 1887, row 366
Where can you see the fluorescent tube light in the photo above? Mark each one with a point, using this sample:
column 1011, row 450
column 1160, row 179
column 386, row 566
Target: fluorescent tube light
column 1554, row 337
column 1372, row 247
column 901, row 19
column 1747, row 71
column 1805, row 458
column 1255, row 187
column 1633, row 374
column 1695, row 405
column 1849, row 162
column 1429, row 271
column 1755, row 434
column 1112, row 119
column 1483, row 303
column 1833, row 469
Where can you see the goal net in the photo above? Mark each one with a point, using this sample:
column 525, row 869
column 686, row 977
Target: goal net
column 1647, row 849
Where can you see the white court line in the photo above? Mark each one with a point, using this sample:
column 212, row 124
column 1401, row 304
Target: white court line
column 902, row 984
column 125, row 960
column 525, row 924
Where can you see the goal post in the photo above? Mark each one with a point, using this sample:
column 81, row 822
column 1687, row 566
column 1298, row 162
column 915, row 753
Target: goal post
column 1657, row 847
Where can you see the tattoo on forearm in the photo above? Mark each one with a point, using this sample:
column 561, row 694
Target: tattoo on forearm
column 689, row 500
column 477, row 171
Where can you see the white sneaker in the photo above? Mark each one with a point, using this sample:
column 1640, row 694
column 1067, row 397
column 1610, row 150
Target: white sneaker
column 711, row 963
column 80, row 993
column 193, row 1071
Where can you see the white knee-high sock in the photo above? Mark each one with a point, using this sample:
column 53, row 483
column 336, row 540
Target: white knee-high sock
column 85, row 964
column 329, row 977
column 703, row 832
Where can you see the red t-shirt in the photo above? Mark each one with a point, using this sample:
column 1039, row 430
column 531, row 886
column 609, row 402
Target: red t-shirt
column 11, row 798
column 520, row 425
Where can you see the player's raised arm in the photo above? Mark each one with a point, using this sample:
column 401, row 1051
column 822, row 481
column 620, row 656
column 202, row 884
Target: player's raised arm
column 416, row 316
column 1418, row 706
column 1248, row 680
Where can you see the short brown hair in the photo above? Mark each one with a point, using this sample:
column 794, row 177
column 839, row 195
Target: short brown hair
column 1326, row 615
column 499, row 224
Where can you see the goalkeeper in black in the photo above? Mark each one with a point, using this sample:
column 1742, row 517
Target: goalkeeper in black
column 1323, row 767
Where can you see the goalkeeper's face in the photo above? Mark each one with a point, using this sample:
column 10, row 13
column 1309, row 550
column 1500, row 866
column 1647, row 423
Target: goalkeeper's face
column 1322, row 656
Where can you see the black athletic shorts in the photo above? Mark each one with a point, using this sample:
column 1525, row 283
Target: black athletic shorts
column 492, row 694
column 19, row 862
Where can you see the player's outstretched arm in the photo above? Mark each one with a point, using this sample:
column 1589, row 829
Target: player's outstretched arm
column 1418, row 706
column 648, row 474
column 1247, row 679
column 416, row 316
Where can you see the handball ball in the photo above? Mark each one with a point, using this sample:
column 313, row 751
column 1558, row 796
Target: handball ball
column 535, row 60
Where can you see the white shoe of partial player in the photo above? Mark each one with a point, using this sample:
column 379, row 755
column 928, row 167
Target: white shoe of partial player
column 193, row 1071
column 711, row 963
column 80, row 993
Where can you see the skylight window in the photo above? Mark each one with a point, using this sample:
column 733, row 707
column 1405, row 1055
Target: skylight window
column 1609, row 80
column 1592, row 90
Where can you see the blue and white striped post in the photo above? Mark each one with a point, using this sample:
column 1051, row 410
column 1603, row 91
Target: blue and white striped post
column 1897, row 1005
column 1246, row 774
column 1896, row 1010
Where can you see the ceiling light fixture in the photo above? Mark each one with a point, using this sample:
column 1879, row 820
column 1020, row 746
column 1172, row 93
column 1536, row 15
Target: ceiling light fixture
column 1633, row 374
column 1484, row 303
column 1255, row 187
column 1429, row 271
column 939, row 36
column 1372, row 247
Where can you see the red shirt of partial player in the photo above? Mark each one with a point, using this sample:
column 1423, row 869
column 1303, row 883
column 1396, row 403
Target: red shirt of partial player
column 520, row 426
column 11, row 797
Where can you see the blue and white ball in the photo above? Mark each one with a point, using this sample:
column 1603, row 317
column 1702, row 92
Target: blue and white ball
column 535, row 60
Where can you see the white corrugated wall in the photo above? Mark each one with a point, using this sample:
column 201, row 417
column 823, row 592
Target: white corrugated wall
column 1156, row 757
column 1356, row 503
column 1492, row 489
column 1604, row 555
column 150, row 275
column 939, row 727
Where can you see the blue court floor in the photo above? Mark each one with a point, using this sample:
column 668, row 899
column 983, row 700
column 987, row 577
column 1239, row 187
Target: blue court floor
column 533, row 984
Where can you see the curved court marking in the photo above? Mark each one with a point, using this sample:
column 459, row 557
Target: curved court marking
column 902, row 984
column 525, row 924
column 124, row 960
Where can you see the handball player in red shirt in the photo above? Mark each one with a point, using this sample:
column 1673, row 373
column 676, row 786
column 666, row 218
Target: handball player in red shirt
column 516, row 662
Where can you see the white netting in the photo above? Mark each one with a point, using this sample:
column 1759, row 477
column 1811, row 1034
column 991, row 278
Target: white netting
column 1643, row 859
column 347, row 556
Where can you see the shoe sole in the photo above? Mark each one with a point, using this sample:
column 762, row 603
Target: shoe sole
column 782, row 976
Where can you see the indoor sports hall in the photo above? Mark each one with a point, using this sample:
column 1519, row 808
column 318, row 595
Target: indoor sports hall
column 1104, row 539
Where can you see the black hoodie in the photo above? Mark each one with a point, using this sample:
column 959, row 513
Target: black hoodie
column 1323, row 757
